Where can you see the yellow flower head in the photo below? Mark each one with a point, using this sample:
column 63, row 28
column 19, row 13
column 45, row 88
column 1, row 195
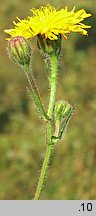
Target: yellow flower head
column 50, row 22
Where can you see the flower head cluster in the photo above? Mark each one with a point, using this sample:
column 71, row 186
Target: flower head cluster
column 50, row 22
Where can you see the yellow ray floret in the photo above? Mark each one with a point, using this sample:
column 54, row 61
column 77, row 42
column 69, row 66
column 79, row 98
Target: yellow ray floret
column 50, row 22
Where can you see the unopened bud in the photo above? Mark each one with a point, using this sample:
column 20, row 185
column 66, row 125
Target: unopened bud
column 63, row 112
column 19, row 51
column 62, row 108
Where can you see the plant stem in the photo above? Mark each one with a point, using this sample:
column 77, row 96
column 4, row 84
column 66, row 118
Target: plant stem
column 50, row 143
column 44, row 170
column 53, row 61
column 34, row 92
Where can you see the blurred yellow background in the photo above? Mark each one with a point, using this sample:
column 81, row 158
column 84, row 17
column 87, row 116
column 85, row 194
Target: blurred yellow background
column 72, row 170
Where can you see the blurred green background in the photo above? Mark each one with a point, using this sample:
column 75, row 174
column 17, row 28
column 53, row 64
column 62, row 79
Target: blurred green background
column 72, row 171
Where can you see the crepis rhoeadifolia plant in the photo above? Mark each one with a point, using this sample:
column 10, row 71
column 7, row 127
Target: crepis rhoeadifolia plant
column 50, row 26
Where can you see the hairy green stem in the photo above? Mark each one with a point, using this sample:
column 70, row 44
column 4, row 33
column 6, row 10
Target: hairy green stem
column 53, row 61
column 44, row 170
column 34, row 92
column 50, row 143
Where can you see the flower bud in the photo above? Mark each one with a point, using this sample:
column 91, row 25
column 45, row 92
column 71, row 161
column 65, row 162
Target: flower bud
column 48, row 46
column 63, row 112
column 19, row 51
column 62, row 108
